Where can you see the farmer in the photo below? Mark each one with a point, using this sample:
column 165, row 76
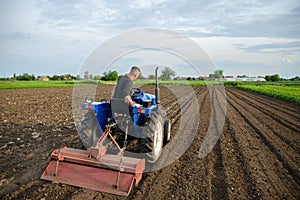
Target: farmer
column 124, row 87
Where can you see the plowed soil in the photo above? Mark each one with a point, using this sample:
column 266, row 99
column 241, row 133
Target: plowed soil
column 256, row 157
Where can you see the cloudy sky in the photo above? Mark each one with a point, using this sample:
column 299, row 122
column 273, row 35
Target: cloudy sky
column 252, row 37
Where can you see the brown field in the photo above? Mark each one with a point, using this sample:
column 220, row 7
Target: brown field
column 256, row 157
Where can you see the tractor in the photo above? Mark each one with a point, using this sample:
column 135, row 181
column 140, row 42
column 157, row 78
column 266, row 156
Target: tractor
column 148, row 126
column 106, row 131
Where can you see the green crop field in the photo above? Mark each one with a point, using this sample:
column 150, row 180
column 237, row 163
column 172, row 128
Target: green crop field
column 9, row 84
column 286, row 92
column 34, row 84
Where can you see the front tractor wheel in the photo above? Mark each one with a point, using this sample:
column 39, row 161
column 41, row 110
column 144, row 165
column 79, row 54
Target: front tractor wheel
column 154, row 138
column 89, row 131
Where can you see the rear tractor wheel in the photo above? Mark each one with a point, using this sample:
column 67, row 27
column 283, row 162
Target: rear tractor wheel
column 89, row 131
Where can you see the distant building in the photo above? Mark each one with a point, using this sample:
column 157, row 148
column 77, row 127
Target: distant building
column 43, row 78
column 232, row 78
column 228, row 78
column 261, row 79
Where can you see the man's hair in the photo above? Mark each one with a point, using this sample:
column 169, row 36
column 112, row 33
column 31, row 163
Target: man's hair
column 134, row 70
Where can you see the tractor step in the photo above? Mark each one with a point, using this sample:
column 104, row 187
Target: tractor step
column 78, row 168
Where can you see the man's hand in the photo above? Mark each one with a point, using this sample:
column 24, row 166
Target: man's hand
column 128, row 100
column 137, row 105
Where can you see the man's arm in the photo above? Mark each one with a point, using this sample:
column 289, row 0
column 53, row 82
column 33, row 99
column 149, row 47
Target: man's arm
column 130, row 102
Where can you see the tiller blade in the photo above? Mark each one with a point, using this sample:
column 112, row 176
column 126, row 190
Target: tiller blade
column 99, row 171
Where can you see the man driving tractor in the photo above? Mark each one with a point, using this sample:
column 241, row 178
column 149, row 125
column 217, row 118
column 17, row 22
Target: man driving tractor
column 124, row 86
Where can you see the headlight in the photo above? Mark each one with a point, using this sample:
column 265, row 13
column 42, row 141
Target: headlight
column 89, row 99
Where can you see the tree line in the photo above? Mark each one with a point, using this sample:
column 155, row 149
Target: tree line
column 166, row 74
column 272, row 78
column 32, row 77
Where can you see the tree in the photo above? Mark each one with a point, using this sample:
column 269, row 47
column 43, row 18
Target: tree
column 25, row 77
column 110, row 76
column 151, row 76
column 141, row 76
column 217, row 74
column 54, row 77
column 61, row 77
column 178, row 78
column 296, row 78
column 86, row 75
column 273, row 78
column 243, row 76
column 78, row 77
column 167, row 74
column 97, row 77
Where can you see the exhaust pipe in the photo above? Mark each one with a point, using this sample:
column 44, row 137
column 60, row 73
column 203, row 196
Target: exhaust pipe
column 156, row 87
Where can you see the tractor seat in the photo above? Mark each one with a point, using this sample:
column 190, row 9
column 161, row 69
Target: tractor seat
column 118, row 106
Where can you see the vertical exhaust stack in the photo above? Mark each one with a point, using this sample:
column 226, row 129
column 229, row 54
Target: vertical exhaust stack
column 156, row 87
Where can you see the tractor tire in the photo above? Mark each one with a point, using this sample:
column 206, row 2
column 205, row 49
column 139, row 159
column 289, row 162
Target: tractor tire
column 167, row 131
column 89, row 131
column 153, row 134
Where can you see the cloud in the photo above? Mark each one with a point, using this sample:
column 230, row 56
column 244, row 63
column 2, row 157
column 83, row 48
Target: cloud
column 196, row 18
column 276, row 47
column 238, row 31
column 253, row 55
column 17, row 36
column 285, row 59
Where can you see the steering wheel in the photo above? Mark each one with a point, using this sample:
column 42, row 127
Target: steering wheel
column 136, row 92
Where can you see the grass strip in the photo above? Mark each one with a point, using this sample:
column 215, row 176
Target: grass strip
column 285, row 92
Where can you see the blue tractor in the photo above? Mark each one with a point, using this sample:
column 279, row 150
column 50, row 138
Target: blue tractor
column 147, row 127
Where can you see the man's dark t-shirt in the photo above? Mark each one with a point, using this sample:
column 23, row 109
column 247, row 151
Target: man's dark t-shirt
column 123, row 88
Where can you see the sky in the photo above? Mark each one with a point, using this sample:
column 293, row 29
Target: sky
column 252, row 37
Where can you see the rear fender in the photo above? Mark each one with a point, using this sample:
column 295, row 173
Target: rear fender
column 102, row 110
